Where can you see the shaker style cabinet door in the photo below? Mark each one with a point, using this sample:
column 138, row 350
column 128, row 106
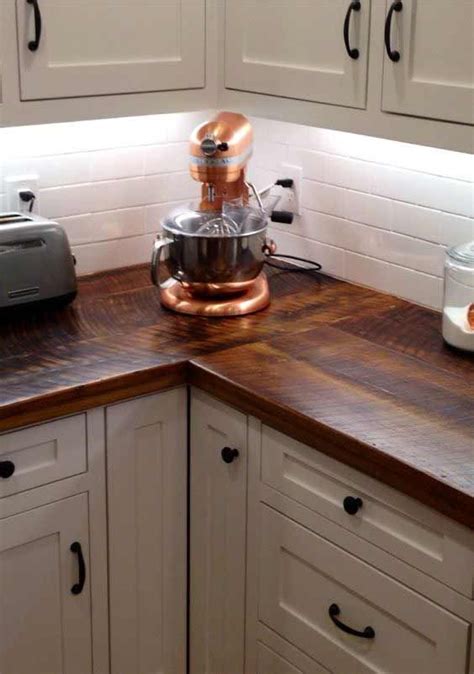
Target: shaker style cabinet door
column 314, row 50
column 147, row 475
column 429, row 59
column 218, row 526
column 71, row 48
column 45, row 603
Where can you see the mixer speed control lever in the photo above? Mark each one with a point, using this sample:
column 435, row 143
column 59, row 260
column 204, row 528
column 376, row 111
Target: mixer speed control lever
column 209, row 147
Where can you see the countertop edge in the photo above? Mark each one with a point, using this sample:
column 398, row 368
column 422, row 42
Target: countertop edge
column 407, row 479
column 45, row 407
column 421, row 486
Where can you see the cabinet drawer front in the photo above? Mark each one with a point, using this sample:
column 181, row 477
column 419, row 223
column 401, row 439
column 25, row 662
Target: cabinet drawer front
column 44, row 454
column 393, row 522
column 277, row 656
column 301, row 575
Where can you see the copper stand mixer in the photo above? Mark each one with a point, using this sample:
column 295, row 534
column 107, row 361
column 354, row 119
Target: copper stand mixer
column 209, row 261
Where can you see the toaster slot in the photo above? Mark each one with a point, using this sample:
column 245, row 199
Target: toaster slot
column 13, row 218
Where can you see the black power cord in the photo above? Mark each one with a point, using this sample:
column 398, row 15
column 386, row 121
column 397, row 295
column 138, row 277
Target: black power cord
column 315, row 266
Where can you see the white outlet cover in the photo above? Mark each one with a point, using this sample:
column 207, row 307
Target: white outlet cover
column 13, row 185
column 293, row 203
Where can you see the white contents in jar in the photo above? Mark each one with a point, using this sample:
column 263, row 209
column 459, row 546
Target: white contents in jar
column 457, row 329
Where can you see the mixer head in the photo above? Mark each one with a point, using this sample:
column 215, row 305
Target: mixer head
column 219, row 152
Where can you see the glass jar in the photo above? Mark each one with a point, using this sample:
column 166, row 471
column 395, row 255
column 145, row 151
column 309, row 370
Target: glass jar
column 458, row 309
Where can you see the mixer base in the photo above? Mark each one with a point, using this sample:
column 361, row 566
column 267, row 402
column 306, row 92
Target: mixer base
column 255, row 298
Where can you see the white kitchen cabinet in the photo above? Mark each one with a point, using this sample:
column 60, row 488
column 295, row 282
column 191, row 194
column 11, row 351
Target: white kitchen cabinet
column 433, row 71
column 297, row 49
column 390, row 564
column 218, row 533
column 312, row 593
column 147, row 516
column 45, row 614
column 97, row 47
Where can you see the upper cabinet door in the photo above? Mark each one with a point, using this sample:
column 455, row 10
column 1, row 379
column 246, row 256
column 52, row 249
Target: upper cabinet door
column 97, row 47
column 433, row 74
column 299, row 49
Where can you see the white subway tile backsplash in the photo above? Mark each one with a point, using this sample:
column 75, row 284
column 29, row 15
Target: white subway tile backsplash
column 60, row 202
column 269, row 154
column 170, row 187
column 95, row 227
column 95, row 257
column 414, row 253
column 331, row 258
column 166, row 158
column 312, row 163
column 416, row 221
column 423, row 189
column 118, row 163
column 455, row 230
column 368, row 209
column 323, row 198
column 349, row 173
column 375, row 212
column 406, row 283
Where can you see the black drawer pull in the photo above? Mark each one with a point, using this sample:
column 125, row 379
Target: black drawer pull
column 7, row 468
column 367, row 633
column 353, row 7
column 228, row 454
column 392, row 54
column 34, row 44
column 352, row 504
column 77, row 550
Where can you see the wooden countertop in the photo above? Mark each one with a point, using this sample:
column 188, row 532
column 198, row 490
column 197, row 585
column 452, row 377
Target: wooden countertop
column 364, row 377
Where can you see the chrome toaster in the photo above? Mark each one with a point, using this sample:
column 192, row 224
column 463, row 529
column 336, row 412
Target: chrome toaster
column 36, row 263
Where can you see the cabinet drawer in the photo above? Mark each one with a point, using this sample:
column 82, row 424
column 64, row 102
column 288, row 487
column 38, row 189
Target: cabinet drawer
column 277, row 656
column 301, row 575
column 43, row 454
column 393, row 522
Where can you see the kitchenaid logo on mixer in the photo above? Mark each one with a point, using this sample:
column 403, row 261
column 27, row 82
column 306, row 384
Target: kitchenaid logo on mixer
column 221, row 161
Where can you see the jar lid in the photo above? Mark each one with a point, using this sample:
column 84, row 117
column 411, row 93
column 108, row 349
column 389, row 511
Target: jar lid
column 463, row 253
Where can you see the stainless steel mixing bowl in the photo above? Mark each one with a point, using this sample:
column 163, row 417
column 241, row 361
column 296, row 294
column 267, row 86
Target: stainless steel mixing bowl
column 212, row 253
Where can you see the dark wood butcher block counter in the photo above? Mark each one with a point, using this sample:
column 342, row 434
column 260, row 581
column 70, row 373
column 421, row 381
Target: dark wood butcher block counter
column 361, row 376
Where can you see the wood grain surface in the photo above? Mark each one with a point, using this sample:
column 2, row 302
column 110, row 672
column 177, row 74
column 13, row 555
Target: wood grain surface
column 362, row 376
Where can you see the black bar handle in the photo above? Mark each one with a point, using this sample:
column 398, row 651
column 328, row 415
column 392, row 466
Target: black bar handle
column 34, row 44
column 7, row 468
column 392, row 54
column 352, row 504
column 228, row 454
column 77, row 550
column 353, row 7
column 367, row 633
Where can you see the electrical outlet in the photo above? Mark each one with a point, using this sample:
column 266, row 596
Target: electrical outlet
column 292, row 198
column 14, row 185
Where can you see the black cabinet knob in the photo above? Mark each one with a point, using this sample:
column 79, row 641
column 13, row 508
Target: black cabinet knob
column 228, row 454
column 7, row 468
column 352, row 504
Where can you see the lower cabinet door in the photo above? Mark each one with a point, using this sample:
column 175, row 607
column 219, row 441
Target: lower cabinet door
column 347, row 615
column 147, row 494
column 218, row 531
column 45, row 603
